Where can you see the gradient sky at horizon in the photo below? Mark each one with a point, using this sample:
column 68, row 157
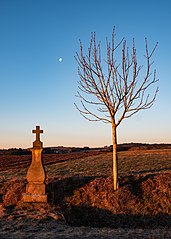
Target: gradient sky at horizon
column 38, row 89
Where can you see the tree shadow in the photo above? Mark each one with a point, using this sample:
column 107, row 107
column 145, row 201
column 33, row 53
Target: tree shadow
column 95, row 217
column 135, row 180
column 1, row 197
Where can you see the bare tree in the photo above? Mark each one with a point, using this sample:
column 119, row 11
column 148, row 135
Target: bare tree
column 114, row 91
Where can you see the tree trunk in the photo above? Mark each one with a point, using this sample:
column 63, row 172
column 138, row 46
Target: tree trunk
column 115, row 157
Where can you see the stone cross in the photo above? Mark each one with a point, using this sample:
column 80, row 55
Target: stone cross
column 35, row 189
column 37, row 143
column 37, row 131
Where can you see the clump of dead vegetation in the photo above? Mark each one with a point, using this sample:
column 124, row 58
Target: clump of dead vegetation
column 140, row 202
column 12, row 191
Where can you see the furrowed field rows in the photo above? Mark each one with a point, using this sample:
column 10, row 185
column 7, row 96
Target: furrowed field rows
column 21, row 161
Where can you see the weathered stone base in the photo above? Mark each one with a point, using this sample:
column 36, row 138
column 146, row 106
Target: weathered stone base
column 34, row 198
column 35, row 193
column 35, row 188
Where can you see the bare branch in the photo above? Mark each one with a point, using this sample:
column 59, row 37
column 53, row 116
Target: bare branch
column 119, row 89
column 86, row 113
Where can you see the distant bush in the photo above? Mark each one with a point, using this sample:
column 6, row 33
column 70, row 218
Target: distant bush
column 15, row 151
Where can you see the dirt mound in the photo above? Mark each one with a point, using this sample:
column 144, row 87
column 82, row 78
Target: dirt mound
column 12, row 191
column 140, row 202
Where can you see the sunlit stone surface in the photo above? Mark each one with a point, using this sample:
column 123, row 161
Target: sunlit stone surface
column 35, row 189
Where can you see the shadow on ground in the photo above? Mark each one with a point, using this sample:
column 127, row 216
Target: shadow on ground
column 95, row 217
column 59, row 188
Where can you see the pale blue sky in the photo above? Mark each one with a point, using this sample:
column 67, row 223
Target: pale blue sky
column 37, row 89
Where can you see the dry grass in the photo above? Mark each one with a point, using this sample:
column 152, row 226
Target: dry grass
column 130, row 162
column 80, row 189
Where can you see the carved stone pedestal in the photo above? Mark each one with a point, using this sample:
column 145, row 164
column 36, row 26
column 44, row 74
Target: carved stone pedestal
column 35, row 189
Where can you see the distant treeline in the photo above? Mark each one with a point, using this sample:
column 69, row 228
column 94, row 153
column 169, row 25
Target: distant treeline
column 46, row 150
column 63, row 150
column 15, row 151
column 141, row 146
